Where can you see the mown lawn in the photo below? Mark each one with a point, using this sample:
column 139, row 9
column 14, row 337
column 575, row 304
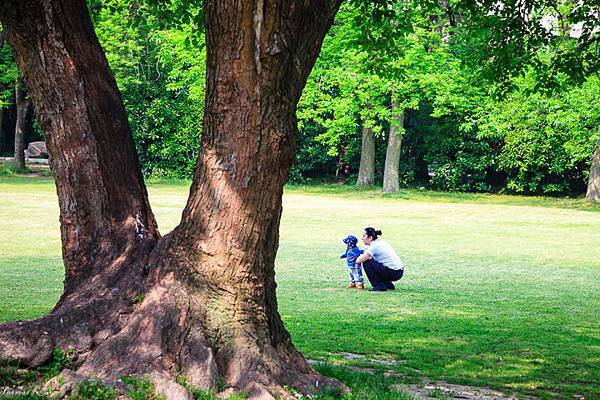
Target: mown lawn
column 499, row 291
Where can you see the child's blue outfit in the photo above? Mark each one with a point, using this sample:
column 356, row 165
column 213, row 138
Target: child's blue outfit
column 351, row 254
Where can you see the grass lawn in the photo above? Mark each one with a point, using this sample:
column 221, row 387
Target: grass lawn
column 499, row 291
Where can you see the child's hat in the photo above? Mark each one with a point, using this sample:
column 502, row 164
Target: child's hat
column 351, row 240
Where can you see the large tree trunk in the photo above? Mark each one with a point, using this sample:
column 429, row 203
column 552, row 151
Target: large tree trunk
column 209, row 307
column 593, row 190
column 1, row 88
column 366, row 171
column 2, row 136
column 391, row 179
column 107, row 226
column 23, row 105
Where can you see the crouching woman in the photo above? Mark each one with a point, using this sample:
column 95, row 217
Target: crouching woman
column 380, row 262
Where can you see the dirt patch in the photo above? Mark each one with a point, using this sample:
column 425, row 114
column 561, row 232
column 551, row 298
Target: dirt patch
column 361, row 357
column 443, row 390
column 428, row 389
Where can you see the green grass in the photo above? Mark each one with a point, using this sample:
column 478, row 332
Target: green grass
column 499, row 291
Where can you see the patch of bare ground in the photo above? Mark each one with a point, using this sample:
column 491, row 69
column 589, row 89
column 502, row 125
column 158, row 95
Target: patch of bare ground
column 427, row 389
column 443, row 390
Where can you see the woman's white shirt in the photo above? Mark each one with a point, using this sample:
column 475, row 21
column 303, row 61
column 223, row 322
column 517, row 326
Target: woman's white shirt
column 383, row 253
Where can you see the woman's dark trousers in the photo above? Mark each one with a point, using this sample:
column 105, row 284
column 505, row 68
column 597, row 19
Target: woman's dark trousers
column 380, row 276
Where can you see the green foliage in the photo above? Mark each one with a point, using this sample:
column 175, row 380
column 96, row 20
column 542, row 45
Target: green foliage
column 8, row 372
column 206, row 394
column 60, row 360
column 241, row 395
column 8, row 74
column 363, row 386
column 459, row 70
column 93, row 390
column 197, row 393
column 139, row 298
column 548, row 139
column 458, row 159
column 517, row 31
column 140, row 388
column 10, row 168
column 160, row 74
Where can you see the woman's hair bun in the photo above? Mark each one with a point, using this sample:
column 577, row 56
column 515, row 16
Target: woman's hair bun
column 370, row 231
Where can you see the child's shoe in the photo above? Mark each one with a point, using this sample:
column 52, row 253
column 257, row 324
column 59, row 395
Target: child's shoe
column 351, row 286
column 360, row 286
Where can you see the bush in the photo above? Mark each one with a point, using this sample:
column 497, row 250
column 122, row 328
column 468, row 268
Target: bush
column 9, row 168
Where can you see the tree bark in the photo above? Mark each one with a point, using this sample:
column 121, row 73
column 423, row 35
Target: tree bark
column 2, row 136
column 209, row 306
column 593, row 190
column 391, row 179
column 366, row 171
column 23, row 105
column 106, row 221
column 1, row 88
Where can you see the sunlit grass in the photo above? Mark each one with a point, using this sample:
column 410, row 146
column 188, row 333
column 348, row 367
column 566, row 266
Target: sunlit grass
column 499, row 291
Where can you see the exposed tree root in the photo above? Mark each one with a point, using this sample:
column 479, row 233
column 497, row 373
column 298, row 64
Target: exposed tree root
column 159, row 328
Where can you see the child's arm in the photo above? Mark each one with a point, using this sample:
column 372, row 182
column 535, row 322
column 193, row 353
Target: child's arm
column 344, row 255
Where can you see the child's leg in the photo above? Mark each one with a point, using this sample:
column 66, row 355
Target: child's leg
column 350, row 275
column 359, row 275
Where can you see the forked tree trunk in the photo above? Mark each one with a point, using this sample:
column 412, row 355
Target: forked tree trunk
column 366, row 171
column 593, row 189
column 391, row 178
column 23, row 105
column 209, row 307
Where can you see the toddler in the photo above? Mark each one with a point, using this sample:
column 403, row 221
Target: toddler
column 354, row 270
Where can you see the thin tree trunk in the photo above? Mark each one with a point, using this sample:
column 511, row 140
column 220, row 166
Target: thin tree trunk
column 391, row 179
column 23, row 105
column 209, row 307
column 366, row 171
column 593, row 190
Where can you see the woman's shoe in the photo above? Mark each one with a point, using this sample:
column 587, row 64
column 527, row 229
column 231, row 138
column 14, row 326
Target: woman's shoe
column 377, row 289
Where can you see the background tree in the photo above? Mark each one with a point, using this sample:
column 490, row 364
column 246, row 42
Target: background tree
column 392, row 156
column 366, row 172
column 593, row 189
column 23, row 119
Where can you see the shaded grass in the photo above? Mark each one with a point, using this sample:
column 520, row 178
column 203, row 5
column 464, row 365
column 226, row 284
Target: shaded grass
column 499, row 291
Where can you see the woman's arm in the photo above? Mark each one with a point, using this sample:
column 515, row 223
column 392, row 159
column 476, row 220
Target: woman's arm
column 363, row 257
